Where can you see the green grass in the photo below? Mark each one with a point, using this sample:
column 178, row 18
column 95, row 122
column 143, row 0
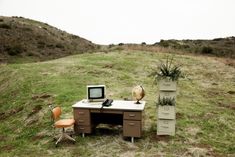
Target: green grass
column 205, row 117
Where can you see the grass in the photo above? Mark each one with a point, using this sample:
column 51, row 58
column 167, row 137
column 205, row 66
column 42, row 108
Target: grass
column 204, row 104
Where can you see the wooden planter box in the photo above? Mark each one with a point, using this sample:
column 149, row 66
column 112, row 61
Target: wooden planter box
column 166, row 112
column 167, row 85
column 167, row 94
column 165, row 127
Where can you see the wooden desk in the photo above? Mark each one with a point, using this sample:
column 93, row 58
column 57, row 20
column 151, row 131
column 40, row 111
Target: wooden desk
column 88, row 115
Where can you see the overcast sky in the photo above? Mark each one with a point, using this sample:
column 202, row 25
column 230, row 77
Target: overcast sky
column 130, row 21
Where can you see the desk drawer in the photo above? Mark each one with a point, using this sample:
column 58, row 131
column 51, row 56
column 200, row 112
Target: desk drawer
column 132, row 128
column 81, row 113
column 133, row 115
column 83, row 121
column 82, row 129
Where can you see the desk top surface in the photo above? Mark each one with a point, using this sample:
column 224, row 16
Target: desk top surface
column 116, row 105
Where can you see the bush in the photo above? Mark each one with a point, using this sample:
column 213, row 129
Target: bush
column 59, row 45
column 120, row 44
column 164, row 43
column 111, row 45
column 143, row 43
column 207, row 50
column 5, row 26
column 41, row 44
column 14, row 50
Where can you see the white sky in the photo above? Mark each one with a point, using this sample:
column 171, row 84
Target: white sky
column 130, row 21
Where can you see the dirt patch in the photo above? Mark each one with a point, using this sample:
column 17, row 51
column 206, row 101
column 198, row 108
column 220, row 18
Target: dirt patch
column 193, row 130
column 6, row 148
column 197, row 152
column 31, row 120
column 229, row 106
column 230, row 62
column 35, row 110
column 14, row 111
column 110, row 66
column 164, row 138
column 2, row 138
column 37, row 137
column 208, row 148
column 179, row 115
column 42, row 96
column 4, row 115
column 231, row 92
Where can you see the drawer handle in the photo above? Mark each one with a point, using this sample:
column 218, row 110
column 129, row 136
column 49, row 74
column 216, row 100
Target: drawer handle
column 80, row 112
column 165, row 127
column 82, row 128
column 81, row 120
column 131, row 115
column 131, row 124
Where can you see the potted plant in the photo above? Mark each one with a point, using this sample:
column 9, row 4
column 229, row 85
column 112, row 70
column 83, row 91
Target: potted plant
column 167, row 74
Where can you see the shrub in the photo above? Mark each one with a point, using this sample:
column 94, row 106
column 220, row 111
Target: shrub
column 164, row 43
column 30, row 54
column 120, row 44
column 41, row 44
column 1, row 20
column 5, row 26
column 59, row 45
column 143, row 43
column 111, row 45
column 14, row 50
column 207, row 50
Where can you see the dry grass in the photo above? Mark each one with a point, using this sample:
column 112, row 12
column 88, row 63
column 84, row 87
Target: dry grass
column 205, row 123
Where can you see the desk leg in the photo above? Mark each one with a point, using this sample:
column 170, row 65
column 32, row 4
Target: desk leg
column 132, row 139
column 83, row 135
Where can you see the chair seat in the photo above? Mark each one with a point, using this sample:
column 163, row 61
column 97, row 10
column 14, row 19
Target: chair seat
column 63, row 123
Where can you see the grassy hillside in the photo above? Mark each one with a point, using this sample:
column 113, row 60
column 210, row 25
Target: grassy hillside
column 24, row 40
column 205, row 105
column 220, row 47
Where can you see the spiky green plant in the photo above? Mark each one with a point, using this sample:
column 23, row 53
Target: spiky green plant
column 167, row 70
column 166, row 101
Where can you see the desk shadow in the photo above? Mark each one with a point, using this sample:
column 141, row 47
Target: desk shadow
column 107, row 130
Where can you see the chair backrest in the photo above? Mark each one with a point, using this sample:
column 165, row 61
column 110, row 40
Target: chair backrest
column 56, row 112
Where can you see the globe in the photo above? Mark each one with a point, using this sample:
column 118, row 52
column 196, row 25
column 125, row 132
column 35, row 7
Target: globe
column 138, row 93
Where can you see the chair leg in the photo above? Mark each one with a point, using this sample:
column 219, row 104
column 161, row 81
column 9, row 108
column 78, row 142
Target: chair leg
column 64, row 135
column 61, row 137
column 69, row 137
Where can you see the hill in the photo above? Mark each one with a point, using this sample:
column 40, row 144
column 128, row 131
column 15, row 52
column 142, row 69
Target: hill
column 220, row 47
column 205, row 105
column 29, row 40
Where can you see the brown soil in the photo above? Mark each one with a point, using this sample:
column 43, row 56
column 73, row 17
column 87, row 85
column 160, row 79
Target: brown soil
column 42, row 96
column 4, row 115
column 36, row 109
column 229, row 106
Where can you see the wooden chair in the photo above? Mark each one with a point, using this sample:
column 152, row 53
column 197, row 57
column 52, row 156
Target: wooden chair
column 61, row 123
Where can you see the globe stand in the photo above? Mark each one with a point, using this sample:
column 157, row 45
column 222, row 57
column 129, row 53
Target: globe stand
column 137, row 102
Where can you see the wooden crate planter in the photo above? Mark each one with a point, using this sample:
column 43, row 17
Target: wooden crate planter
column 167, row 85
column 166, row 112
